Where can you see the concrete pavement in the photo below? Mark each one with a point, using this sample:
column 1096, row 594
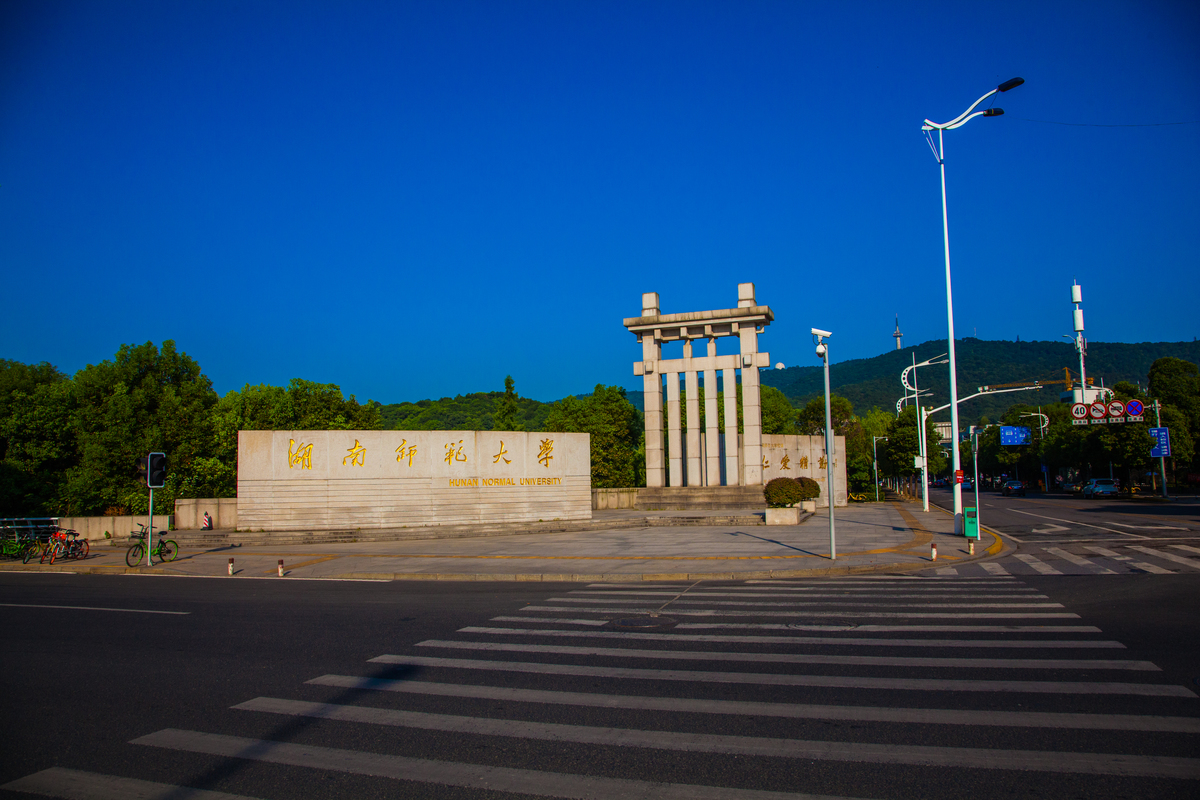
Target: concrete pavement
column 890, row 536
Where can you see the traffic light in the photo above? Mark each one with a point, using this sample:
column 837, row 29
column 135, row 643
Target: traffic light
column 156, row 470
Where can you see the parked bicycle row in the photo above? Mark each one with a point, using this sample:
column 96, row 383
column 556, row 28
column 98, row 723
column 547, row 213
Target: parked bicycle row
column 42, row 539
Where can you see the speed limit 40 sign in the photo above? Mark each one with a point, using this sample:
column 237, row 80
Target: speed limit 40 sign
column 1080, row 413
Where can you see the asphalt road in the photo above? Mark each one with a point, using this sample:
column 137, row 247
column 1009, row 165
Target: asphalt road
column 1058, row 518
column 939, row 687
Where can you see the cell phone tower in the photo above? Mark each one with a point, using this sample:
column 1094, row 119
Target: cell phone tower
column 898, row 335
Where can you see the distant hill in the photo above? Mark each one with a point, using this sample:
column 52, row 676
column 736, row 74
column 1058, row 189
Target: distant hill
column 464, row 412
column 869, row 382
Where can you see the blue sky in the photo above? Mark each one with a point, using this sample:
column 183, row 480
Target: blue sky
column 415, row 199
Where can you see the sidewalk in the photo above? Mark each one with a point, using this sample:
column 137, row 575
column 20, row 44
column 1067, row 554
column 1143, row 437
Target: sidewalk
column 871, row 537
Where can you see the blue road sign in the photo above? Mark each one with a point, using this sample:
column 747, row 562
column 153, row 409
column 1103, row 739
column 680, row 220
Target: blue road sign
column 1015, row 434
column 1134, row 408
column 1162, row 443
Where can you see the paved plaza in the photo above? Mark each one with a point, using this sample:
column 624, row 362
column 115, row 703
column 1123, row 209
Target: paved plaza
column 871, row 537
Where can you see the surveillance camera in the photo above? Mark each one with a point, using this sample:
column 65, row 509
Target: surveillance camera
column 819, row 332
column 821, row 350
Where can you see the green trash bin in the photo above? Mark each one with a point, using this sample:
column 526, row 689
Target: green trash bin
column 971, row 523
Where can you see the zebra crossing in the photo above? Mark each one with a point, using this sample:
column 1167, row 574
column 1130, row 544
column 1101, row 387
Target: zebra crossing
column 751, row 690
column 1085, row 559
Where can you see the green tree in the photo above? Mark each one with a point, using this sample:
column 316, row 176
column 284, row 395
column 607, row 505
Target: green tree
column 778, row 416
column 617, row 434
column 505, row 416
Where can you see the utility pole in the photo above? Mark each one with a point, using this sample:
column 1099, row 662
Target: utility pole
column 1162, row 460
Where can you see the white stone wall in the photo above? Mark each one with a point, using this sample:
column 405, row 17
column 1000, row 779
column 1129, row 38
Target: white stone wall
column 803, row 456
column 343, row 480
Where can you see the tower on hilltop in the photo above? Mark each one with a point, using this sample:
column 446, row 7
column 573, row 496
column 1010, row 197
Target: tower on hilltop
column 898, row 335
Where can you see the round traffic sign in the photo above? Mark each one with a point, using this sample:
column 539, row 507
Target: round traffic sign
column 1134, row 408
column 1116, row 409
column 1079, row 411
column 1098, row 410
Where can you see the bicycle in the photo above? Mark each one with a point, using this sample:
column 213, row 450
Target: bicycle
column 165, row 550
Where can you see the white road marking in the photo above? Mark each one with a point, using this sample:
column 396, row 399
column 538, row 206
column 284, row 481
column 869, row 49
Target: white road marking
column 1187, row 562
column 1051, row 528
column 946, row 571
column 1187, row 548
column 75, row 784
column 933, row 716
column 1079, row 561
column 97, row 608
column 771, row 679
column 1054, row 629
column 552, row 620
column 449, row 773
column 724, row 744
column 873, row 602
column 705, row 612
column 1076, row 522
column 994, row 568
column 797, row 658
column 873, row 597
column 1148, row 527
column 1036, row 564
column 831, row 641
column 1142, row 565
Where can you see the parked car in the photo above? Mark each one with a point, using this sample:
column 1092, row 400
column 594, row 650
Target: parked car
column 1072, row 487
column 1100, row 487
column 1011, row 488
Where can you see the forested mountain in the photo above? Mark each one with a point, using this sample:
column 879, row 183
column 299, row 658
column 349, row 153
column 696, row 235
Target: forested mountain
column 464, row 412
column 871, row 382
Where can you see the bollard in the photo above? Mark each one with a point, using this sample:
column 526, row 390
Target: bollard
column 231, row 566
column 281, row 567
column 933, row 551
column 971, row 548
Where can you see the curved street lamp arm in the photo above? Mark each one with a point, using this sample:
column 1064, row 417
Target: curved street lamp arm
column 961, row 118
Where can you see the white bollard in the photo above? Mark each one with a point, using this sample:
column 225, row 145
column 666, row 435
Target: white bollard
column 281, row 567
column 231, row 566
column 933, row 551
column 971, row 548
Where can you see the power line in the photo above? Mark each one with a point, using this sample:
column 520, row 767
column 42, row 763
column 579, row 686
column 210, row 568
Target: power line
column 1095, row 125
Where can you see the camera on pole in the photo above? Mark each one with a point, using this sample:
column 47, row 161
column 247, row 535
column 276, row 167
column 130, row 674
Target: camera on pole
column 156, row 470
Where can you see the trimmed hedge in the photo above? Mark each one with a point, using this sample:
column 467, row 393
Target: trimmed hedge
column 782, row 493
column 811, row 488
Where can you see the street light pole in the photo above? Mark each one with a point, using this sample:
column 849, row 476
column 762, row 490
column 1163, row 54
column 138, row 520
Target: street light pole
column 823, row 353
column 921, row 446
column 939, row 152
column 875, row 458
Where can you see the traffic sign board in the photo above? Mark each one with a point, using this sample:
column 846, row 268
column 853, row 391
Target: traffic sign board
column 1015, row 434
column 1162, row 443
column 1079, row 411
column 1134, row 408
column 1098, row 410
column 1116, row 409
column 958, row 476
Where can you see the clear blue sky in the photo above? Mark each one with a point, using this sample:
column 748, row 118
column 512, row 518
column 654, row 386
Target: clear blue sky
column 415, row 199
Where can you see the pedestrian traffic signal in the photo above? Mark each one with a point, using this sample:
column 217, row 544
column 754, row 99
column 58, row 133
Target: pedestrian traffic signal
column 156, row 470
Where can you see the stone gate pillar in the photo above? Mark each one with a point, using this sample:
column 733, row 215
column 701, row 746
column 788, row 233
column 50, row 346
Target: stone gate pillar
column 652, row 329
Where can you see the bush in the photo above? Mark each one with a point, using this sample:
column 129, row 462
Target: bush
column 782, row 492
column 810, row 488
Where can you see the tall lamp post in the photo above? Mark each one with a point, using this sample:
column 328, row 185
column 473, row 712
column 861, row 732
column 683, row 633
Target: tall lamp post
column 939, row 152
column 823, row 353
column 875, row 458
column 920, row 422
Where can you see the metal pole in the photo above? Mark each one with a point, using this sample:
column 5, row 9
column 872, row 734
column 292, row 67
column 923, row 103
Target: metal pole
column 975, row 458
column 1162, row 460
column 829, row 454
column 150, row 530
column 875, row 461
column 955, row 456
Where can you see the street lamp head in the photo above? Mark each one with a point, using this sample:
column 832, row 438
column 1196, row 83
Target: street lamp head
column 1011, row 83
column 993, row 112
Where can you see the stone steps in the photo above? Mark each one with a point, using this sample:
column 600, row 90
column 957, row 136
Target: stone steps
column 701, row 498
column 216, row 539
